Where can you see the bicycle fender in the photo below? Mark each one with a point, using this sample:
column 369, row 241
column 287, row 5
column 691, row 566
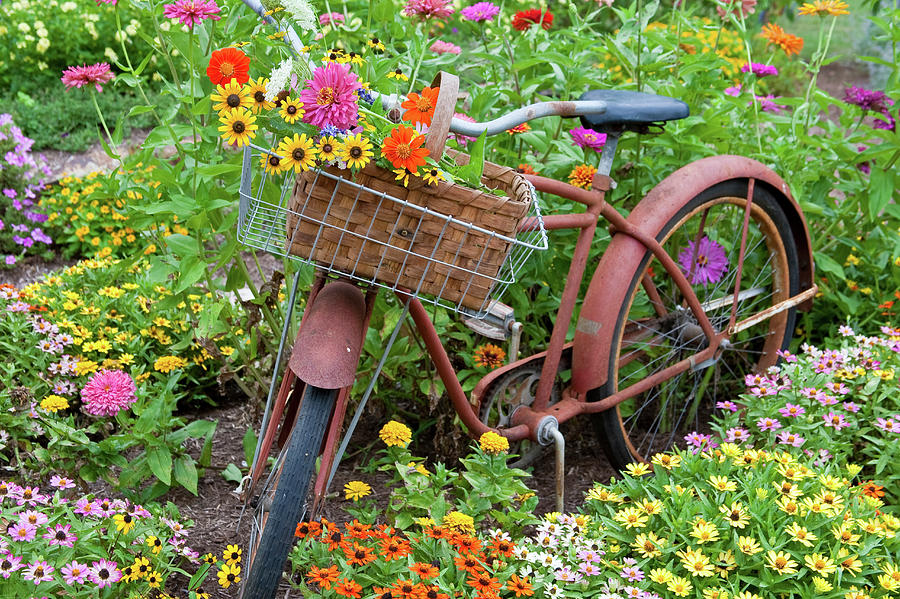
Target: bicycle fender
column 327, row 348
column 618, row 266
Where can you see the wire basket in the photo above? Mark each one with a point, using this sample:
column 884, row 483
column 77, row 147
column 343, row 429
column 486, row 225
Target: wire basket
column 367, row 233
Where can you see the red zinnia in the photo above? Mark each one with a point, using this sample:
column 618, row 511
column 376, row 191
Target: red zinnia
column 228, row 64
column 526, row 18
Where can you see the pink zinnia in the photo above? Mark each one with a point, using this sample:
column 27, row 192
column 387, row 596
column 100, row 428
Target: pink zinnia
column 835, row 420
column 22, row 531
column 427, row 9
column 113, row 2
column 191, row 12
column 329, row 97
column 442, row 47
column 768, row 424
column 704, row 263
column 86, row 75
column 108, row 392
column 481, row 11
column 458, row 137
column 38, row 572
column 588, row 138
column 330, row 17
column 789, row 438
column 104, row 573
column 60, row 535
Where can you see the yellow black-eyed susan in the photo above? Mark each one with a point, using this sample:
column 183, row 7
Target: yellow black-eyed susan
column 356, row 151
column 272, row 163
column 376, row 45
column 432, row 176
column 291, row 110
column 257, row 92
column 299, row 152
column 329, row 148
column 230, row 96
column 238, row 126
column 398, row 74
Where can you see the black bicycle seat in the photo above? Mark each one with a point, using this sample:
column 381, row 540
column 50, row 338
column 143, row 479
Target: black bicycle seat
column 632, row 110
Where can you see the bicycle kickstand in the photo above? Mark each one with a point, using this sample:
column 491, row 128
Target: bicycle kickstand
column 547, row 433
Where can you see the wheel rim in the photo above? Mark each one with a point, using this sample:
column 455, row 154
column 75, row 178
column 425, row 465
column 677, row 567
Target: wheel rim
column 516, row 389
column 661, row 332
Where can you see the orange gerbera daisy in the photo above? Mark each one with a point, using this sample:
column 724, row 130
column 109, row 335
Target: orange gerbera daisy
column 424, row 570
column 323, row 576
column 469, row 563
column 403, row 148
column 791, row 44
column 228, row 64
column 519, row 586
column 358, row 555
column 420, row 107
column 394, row 548
column 484, row 583
column 348, row 588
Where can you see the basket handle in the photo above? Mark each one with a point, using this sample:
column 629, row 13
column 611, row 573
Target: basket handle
column 436, row 137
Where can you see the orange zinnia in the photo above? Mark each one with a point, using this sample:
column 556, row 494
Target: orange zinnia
column 420, row 107
column 358, row 530
column 433, row 592
column 519, row 586
column 228, row 64
column 438, row 532
column 424, row 570
column 403, row 148
column 394, row 548
column 791, row 44
column 466, row 544
column 333, row 538
column 348, row 588
column 323, row 576
column 406, row 589
column 502, row 547
column 484, row 583
column 359, row 555
column 468, row 563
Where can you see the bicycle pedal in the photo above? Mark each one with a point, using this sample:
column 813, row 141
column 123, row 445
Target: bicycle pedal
column 496, row 323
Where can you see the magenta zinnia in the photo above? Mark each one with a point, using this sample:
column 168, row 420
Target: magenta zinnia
column 191, row 12
column 108, row 392
column 704, row 262
column 329, row 97
column 427, row 9
column 588, row 138
column 481, row 11
column 86, row 75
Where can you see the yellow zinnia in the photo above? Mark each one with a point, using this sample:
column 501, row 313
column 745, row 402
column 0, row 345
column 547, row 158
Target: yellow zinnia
column 395, row 434
column 492, row 443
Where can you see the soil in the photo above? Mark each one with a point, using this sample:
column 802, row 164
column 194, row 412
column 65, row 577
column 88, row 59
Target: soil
column 217, row 509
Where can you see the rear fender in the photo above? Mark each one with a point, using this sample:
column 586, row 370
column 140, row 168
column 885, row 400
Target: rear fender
column 614, row 276
column 326, row 351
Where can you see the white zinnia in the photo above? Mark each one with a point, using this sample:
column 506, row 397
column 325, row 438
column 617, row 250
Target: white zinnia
column 301, row 12
column 278, row 79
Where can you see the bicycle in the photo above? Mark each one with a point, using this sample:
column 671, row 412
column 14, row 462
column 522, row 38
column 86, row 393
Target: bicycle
column 698, row 286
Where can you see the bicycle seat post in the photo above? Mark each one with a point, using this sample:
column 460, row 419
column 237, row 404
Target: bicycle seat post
column 602, row 180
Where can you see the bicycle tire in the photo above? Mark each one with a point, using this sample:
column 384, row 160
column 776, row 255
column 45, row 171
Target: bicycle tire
column 631, row 431
column 266, row 560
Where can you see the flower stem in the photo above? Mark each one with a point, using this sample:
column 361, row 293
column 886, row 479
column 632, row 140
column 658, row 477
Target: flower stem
column 415, row 73
column 818, row 59
column 112, row 146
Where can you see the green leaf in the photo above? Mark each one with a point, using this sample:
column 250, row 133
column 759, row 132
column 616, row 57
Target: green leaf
column 220, row 169
column 160, row 460
column 186, row 473
column 882, row 187
column 471, row 173
column 139, row 109
column 232, row 474
column 182, row 245
column 824, row 262
column 198, row 578
column 249, row 443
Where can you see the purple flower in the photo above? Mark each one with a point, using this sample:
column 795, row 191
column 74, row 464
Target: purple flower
column 733, row 91
column 767, row 103
column 787, row 356
column 867, row 99
column 789, row 438
column 890, row 425
column 632, row 574
column 760, row 70
column 768, row 424
column 17, row 204
column 62, row 482
column 481, row 11
column 727, row 405
column 60, row 535
column 73, row 572
column 22, row 531
column 9, row 563
column 791, row 410
column 835, row 420
column 851, row 406
column 764, row 390
column 38, row 572
column 39, row 235
column 104, row 573
column 588, row 138
column 704, row 262
column 737, row 435
column 10, row 193
column 700, row 441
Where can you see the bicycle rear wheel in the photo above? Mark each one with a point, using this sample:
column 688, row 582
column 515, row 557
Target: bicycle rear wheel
column 283, row 500
column 655, row 329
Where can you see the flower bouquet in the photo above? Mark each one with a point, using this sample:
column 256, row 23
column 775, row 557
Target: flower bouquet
column 373, row 195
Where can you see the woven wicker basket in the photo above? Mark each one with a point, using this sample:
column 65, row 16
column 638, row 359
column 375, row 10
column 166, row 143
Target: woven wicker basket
column 371, row 228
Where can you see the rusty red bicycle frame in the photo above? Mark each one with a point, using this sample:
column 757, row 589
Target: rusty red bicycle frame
column 527, row 418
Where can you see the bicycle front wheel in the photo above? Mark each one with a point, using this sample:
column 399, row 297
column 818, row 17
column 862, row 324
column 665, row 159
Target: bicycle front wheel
column 283, row 501
column 656, row 329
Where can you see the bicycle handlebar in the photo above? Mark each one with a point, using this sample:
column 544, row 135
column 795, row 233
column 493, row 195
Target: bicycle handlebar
column 474, row 129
